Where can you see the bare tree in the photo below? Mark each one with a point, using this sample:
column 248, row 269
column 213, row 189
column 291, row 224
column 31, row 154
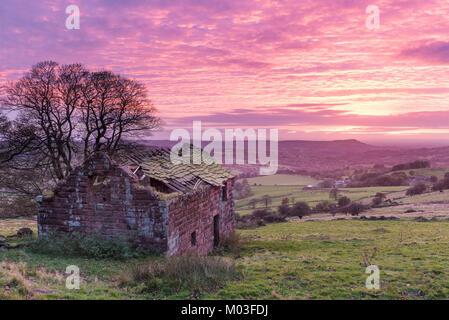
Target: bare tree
column 267, row 199
column 114, row 108
column 333, row 194
column 253, row 203
column 46, row 100
column 63, row 110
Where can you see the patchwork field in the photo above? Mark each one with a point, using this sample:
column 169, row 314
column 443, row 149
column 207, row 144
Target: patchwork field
column 311, row 196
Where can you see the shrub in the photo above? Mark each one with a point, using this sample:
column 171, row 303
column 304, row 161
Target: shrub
column 376, row 201
column 246, row 224
column 81, row 245
column 284, row 210
column 231, row 243
column 258, row 218
column 195, row 274
column 273, row 218
column 300, row 209
column 378, row 198
column 324, row 206
column 355, row 208
column 343, row 201
column 260, row 213
column 441, row 185
column 380, row 195
column 416, row 189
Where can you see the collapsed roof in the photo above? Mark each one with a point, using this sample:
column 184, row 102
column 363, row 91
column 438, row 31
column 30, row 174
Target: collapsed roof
column 155, row 163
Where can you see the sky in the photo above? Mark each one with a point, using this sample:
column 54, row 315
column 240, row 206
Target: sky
column 312, row 69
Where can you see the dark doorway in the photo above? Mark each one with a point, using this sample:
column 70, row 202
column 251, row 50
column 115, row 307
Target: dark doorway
column 193, row 239
column 216, row 230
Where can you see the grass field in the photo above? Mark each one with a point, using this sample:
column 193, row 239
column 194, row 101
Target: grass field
column 293, row 260
column 324, row 259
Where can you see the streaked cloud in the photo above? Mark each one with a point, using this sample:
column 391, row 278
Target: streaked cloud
column 433, row 52
column 221, row 60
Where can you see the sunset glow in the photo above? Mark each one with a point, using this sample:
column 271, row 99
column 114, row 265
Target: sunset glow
column 310, row 68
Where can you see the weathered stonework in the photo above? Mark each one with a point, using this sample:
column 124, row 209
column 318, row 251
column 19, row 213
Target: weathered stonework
column 104, row 197
column 195, row 213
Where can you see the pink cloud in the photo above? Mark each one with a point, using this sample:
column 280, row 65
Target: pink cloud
column 212, row 57
column 436, row 52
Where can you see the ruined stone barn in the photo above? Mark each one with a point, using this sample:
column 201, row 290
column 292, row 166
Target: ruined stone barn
column 142, row 195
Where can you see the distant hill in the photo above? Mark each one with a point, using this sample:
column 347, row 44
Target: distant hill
column 323, row 155
column 349, row 143
column 329, row 146
column 338, row 154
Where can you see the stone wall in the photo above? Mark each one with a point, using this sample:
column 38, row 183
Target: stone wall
column 194, row 213
column 102, row 197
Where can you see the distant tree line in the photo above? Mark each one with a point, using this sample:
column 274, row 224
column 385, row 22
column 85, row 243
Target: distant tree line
column 416, row 189
column 374, row 179
column 338, row 203
column 418, row 164
column 300, row 209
